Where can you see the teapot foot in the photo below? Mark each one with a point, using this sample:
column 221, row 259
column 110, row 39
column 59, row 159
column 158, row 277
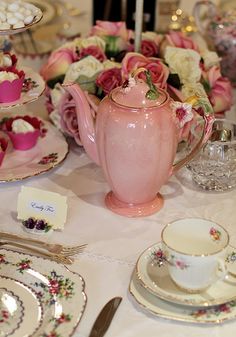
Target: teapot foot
column 133, row 210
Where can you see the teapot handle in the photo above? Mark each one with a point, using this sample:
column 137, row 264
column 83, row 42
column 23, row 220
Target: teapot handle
column 196, row 13
column 208, row 122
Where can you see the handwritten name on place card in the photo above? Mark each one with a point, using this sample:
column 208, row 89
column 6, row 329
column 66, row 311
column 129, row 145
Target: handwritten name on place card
column 44, row 205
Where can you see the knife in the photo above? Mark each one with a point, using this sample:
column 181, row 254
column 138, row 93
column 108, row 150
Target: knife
column 104, row 318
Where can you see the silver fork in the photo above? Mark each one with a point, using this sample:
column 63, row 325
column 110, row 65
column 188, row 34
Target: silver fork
column 55, row 257
column 55, row 248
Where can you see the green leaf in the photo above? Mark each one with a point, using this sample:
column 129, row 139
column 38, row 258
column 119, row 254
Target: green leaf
column 152, row 93
column 174, row 80
column 59, row 79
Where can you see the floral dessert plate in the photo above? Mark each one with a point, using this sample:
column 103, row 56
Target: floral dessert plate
column 152, row 271
column 16, row 299
column 33, row 88
column 46, row 296
column 49, row 151
column 164, row 309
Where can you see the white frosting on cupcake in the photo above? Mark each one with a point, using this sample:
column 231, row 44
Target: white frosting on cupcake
column 7, row 76
column 21, row 126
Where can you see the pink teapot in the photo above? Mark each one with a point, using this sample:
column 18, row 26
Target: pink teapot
column 135, row 141
column 219, row 28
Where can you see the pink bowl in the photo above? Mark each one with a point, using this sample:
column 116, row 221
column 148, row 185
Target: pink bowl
column 3, row 143
column 11, row 91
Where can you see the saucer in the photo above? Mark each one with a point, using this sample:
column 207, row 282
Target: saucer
column 152, row 271
column 158, row 307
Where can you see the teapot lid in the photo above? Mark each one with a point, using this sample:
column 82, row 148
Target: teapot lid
column 137, row 93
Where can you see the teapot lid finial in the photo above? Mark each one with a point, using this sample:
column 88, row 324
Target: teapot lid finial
column 138, row 92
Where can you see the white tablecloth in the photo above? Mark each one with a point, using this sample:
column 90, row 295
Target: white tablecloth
column 115, row 242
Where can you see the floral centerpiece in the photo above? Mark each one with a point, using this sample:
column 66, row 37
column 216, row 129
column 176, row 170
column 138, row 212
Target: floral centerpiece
column 105, row 59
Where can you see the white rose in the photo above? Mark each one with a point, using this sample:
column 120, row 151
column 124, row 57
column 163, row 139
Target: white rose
column 91, row 41
column 56, row 94
column 111, row 64
column 192, row 89
column 157, row 38
column 87, row 66
column 185, row 63
column 210, row 59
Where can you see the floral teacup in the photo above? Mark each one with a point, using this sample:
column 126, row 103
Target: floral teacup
column 195, row 250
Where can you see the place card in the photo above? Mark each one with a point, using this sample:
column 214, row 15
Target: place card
column 43, row 205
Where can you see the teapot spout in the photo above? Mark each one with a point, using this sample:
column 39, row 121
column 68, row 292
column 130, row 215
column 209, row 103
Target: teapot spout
column 84, row 108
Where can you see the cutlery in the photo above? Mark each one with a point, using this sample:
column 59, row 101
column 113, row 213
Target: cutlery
column 52, row 256
column 50, row 247
column 104, row 318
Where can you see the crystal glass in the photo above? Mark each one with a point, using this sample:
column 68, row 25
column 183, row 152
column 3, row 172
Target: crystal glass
column 214, row 168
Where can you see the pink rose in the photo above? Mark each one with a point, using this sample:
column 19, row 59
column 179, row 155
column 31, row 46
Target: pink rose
column 105, row 28
column 149, row 48
column 220, row 90
column 180, row 40
column 93, row 51
column 159, row 71
column 69, row 119
column 109, row 79
column 58, row 63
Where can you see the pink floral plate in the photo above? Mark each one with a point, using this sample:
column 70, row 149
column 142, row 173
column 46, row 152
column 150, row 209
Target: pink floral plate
column 152, row 272
column 49, row 151
column 33, row 88
column 37, row 298
column 164, row 309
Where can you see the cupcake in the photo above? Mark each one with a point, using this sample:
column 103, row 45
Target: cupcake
column 11, row 83
column 7, row 61
column 3, row 147
column 23, row 131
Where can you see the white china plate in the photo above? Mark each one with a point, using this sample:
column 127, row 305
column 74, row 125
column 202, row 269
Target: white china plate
column 47, row 8
column 156, row 280
column 164, row 309
column 60, row 292
column 49, row 151
column 15, row 300
column 31, row 95
column 12, row 31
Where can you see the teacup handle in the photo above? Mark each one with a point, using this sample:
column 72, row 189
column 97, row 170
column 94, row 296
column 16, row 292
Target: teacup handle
column 208, row 121
column 222, row 269
column 196, row 13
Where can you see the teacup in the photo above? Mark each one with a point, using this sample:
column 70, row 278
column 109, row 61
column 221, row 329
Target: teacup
column 195, row 250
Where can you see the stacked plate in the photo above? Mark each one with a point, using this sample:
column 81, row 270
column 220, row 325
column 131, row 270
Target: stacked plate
column 153, row 289
column 38, row 297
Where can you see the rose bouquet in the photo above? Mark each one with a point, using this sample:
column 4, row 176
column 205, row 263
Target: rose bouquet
column 106, row 58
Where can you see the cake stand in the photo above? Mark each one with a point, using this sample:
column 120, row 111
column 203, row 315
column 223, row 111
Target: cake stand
column 51, row 149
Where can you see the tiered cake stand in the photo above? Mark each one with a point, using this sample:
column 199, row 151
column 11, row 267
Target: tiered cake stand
column 51, row 149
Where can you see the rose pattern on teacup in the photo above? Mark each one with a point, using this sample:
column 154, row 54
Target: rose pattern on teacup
column 160, row 257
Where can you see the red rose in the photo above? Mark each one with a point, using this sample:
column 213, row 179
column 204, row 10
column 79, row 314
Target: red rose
column 149, row 48
column 109, row 79
column 95, row 51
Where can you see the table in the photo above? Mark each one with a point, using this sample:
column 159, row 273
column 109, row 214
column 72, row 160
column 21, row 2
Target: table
column 115, row 242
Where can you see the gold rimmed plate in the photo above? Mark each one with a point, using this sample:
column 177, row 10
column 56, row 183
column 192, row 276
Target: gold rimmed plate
column 164, row 309
column 12, row 31
column 49, row 152
column 49, row 298
column 16, row 299
column 155, row 278
column 33, row 88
